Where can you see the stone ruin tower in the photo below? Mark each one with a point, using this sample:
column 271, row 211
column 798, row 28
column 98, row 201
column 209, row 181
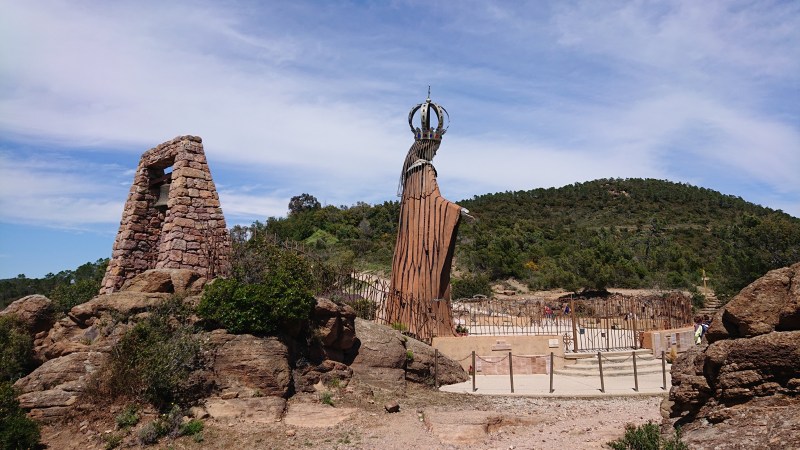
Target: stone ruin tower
column 172, row 218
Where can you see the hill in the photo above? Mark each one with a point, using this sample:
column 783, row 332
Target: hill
column 626, row 233
column 630, row 233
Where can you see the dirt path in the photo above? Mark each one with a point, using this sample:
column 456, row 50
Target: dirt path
column 427, row 420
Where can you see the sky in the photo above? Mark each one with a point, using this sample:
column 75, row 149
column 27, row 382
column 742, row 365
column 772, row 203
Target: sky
column 313, row 97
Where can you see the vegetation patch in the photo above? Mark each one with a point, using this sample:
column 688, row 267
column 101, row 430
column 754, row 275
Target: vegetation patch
column 157, row 360
column 17, row 431
column 16, row 349
column 269, row 288
column 647, row 437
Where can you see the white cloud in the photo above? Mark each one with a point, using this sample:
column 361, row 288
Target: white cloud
column 540, row 96
column 54, row 193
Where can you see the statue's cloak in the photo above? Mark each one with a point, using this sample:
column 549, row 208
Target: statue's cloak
column 420, row 286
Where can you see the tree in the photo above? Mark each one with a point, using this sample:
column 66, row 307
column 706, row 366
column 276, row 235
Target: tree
column 303, row 202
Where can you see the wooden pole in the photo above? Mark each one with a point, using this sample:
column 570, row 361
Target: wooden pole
column 436, row 368
column 511, row 371
column 600, row 363
column 474, row 372
column 574, row 324
column 551, row 372
column 664, row 369
column 635, row 374
column 608, row 327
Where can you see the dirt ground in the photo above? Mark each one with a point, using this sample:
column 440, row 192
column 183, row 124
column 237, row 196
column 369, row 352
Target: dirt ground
column 427, row 420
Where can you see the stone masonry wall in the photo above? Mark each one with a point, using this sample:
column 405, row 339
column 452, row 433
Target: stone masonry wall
column 190, row 234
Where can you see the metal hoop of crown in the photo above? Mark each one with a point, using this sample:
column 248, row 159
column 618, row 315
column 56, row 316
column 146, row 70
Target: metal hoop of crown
column 425, row 132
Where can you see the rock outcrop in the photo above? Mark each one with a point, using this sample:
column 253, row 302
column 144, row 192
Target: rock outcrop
column 35, row 312
column 386, row 359
column 743, row 388
column 247, row 366
column 242, row 371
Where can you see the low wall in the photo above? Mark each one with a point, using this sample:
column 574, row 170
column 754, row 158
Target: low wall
column 530, row 354
column 663, row 340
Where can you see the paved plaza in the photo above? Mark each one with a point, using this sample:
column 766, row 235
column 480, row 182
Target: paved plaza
column 564, row 385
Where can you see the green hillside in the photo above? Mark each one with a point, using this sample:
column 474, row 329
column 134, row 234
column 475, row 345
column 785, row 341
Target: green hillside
column 636, row 233
column 632, row 233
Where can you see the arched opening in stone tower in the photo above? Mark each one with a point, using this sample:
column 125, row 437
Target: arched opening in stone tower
column 159, row 178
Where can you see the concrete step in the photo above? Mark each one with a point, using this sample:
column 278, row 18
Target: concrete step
column 612, row 369
column 596, row 373
column 592, row 362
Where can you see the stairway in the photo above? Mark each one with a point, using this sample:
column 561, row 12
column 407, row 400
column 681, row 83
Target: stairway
column 711, row 305
column 615, row 364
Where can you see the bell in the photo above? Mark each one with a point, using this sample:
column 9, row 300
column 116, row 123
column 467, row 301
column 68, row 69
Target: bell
column 163, row 196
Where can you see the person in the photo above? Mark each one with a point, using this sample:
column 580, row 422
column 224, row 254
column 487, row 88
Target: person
column 698, row 329
column 706, row 323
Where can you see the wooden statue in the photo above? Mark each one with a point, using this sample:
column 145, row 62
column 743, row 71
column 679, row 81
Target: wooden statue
column 419, row 297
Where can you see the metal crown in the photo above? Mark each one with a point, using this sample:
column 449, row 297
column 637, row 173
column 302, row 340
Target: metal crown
column 425, row 132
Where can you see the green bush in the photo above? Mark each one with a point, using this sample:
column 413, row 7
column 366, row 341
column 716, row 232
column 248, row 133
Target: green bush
column 17, row 431
column 647, row 437
column 65, row 296
column 191, row 428
column 16, row 350
column 468, row 285
column 326, row 398
column 260, row 299
column 154, row 361
column 164, row 425
column 128, row 417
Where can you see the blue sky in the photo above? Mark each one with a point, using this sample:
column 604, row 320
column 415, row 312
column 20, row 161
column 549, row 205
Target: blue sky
column 304, row 96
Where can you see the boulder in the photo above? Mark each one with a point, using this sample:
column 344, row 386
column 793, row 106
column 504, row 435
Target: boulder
column 771, row 303
column 310, row 377
column 123, row 304
column 168, row 281
column 251, row 365
column 420, row 365
column 742, row 389
column 334, row 324
column 379, row 356
column 35, row 312
column 384, row 358
column 54, row 386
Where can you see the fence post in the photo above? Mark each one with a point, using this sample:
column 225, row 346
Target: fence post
column 608, row 327
column 664, row 369
column 600, row 363
column 474, row 372
column 551, row 372
column 436, row 368
column 574, row 325
column 635, row 374
column 511, row 371
column 635, row 332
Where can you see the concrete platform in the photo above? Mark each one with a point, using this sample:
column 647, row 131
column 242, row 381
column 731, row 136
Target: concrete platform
column 564, row 386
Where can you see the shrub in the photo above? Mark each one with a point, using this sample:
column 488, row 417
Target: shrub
column 326, row 398
column 16, row 350
column 113, row 440
column 261, row 299
column 468, row 286
column 16, row 429
column 191, row 428
column 65, row 296
column 163, row 425
column 155, row 359
column 128, row 417
column 646, row 437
